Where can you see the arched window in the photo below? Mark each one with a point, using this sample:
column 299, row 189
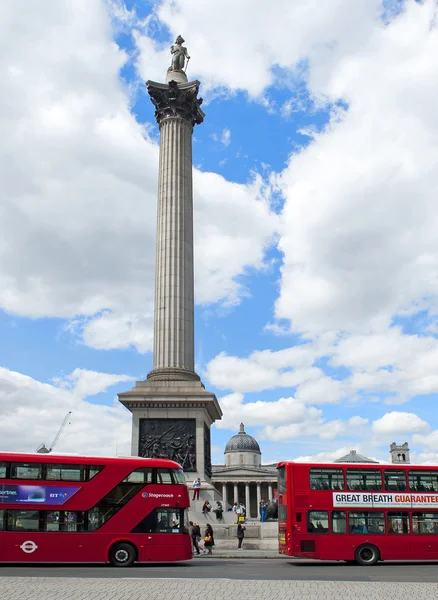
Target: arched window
column 241, row 459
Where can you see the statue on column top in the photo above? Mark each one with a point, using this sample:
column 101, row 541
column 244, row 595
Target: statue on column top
column 179, row 55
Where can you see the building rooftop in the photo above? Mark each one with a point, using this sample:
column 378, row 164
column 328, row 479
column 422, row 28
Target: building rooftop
column 354, row 457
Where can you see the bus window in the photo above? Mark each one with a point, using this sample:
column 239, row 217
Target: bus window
column 162, row 520
column 73, row 521
column 143, row 475
column 317, row 521
column 93, row 470
column 398, row 522
column 164, row 476
column 121, row 494
column 364, row 479
column 178, row 475
column 326, row 479
column 339, row 521
column 26, row 471
column 65, row 472
column 23, row 520
column 366, row 522
column 424, row 523
column 99, row 515
column 2, row 520
column 423, row 481
column 395, row 481
column 3, row 468
column 282, row 480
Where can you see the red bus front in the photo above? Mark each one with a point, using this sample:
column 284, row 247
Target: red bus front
column 57, row 508
column 358, row 512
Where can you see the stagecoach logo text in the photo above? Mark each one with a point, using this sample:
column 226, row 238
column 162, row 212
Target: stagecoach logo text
column 386, row 500
column 153, row 495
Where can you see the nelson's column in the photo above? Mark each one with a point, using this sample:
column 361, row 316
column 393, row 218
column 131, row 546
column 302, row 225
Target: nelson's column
column 171, row 410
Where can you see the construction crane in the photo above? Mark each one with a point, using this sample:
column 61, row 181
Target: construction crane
column 42, row 449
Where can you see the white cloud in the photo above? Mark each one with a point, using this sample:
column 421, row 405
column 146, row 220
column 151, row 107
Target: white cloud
column 284, row 419
column 396, row 423
column 259, row 413
column 80, row 178
column 256, row 39
column 367, row 249
column 32, row 412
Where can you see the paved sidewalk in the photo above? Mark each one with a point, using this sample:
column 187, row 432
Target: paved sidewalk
column 31, row 588
column 235, row 553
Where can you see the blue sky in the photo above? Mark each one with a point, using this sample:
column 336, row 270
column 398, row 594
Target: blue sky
column 315, row 220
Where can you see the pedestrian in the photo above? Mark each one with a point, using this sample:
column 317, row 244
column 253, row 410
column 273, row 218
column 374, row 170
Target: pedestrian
column 206, row 507
column 262, row 511
column 239, row 512
column 218, row 510
column 196, row 488
column 208, row 539
column 240, row 535
column 196, row 537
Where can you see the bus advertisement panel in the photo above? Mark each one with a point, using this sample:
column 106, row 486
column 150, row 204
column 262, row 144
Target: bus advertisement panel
column 358, row 512
column 58, row 508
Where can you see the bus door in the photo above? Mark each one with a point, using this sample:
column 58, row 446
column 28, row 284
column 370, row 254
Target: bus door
column 164, row 534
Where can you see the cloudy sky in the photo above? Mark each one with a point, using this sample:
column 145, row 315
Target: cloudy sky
column 315, row 189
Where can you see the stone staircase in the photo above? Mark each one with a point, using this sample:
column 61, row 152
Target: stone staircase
column 258, row 536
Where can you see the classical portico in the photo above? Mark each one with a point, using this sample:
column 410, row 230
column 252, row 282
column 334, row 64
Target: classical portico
column 243, row 478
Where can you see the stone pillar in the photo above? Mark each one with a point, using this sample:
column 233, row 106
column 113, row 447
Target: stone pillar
column 224, row 495
column 172, row 411
column 259, row 498
column 270, row 491
column 247, row 500
column 236, row 493
column 177, row 112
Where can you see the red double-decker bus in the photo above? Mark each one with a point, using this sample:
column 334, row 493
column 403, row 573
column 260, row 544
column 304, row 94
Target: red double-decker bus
column 358, row 512
column 59, row 508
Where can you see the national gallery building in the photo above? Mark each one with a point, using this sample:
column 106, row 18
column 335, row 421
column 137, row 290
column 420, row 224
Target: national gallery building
column 243, row 478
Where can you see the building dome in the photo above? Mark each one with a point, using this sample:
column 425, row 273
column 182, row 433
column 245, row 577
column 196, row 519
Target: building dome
column 242, row 442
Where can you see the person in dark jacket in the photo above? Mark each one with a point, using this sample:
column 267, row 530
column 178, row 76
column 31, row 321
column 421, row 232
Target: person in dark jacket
column 240, row 534
column 196, row 536
column 209, row 538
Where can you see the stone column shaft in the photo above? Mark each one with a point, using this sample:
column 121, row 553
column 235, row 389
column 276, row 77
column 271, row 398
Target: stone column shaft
column 177, row 111
column 247, row 500
column 224, row 495
column 236, row 493
column 270, row 491
column 174, row 294
column 259, row 498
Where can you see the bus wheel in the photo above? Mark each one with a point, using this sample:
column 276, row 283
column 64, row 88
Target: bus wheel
column 367, row 555
column 122, row 555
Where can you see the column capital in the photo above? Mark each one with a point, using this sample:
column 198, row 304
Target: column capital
column 176, row 100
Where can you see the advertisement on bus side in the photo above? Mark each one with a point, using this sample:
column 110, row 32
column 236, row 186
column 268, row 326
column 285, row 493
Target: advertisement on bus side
column 385, row 500
column 35, row 494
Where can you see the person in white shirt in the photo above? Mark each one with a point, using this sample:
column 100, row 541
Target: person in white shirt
column 196, row 488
